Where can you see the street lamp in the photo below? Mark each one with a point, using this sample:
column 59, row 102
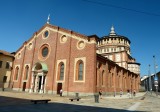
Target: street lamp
column 155, row 78
column 149, row 76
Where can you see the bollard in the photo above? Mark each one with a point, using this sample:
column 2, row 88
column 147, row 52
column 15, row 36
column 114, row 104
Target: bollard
column 96, row 96
column 77, row 95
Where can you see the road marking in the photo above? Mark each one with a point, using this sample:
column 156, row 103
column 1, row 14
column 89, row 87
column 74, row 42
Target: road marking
column 134, row 107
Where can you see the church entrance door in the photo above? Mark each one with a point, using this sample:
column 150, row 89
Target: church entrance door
column 24, row 86
column 59, row 87
column 39, row 72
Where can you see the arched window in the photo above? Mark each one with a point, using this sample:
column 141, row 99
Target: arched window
column 102, row 77
column 16, row 73
column 79, row 73
column 26, row 72
column 61, row 71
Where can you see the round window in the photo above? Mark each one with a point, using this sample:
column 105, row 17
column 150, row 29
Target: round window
column 63, row 39
column 30, row 46
column 46, row 33
column 45, row 51
column 19, row 55
column 81, row 45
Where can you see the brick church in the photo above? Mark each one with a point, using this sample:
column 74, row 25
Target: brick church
column 55, row 58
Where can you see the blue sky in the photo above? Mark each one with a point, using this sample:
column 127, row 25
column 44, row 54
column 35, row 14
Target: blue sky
column 139, row 20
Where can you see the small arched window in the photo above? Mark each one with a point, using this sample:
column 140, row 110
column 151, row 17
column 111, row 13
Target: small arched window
column 80, row 69
column 16, row 73
column 80, row 72
column 26, row 72
column 61, row 71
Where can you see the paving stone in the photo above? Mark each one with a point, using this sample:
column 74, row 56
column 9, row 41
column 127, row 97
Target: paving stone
column 20, row 102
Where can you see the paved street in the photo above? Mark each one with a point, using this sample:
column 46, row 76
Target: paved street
column 20, row 102
column 150, row 103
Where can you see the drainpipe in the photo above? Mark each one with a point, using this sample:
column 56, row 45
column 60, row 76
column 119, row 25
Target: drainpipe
column 22, row 65
column 69, row 63
column 55, row 60
column 32, row 60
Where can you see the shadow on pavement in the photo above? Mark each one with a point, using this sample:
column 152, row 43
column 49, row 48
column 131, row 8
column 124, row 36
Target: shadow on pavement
column 9, row 104
column 6, row 101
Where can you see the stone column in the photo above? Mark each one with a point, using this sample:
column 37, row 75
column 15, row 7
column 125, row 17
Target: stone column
column 36, row 84
column 41, row 90
column 45, row 85
column 32, row 83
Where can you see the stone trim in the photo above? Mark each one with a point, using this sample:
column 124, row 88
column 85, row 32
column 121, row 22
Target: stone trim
column 24, row 72
column 84, row 70
column 15, row 74
column 57, row 67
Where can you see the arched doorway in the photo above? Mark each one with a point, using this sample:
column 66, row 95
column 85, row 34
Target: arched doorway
column 39, row 73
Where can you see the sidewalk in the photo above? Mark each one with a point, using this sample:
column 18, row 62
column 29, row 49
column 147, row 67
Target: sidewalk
column 20, row 101
column 124, row 96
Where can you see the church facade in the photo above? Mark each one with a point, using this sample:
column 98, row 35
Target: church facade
column 55, row 58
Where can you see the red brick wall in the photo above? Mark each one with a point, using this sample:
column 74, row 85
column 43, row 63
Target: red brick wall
column 58, row 51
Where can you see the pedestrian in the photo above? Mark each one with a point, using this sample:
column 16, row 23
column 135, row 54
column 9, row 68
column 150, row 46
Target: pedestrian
column 128, row 93
column 121, row 93
column 61, row 91
column 114, row 94
column 100, row 93
column 134, row 92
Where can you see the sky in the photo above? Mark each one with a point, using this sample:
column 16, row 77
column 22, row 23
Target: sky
column 138, row 20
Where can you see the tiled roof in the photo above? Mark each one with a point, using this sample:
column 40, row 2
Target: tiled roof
column 6, row 53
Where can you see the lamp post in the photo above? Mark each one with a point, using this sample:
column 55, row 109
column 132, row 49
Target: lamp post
column 155, row 77
column 149, row 76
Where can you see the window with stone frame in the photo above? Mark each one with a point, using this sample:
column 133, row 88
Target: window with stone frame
column 79, row 70
column 45, row 51
column 61, row 71
column 46, row 33
column 26, row 72
column 16, row 73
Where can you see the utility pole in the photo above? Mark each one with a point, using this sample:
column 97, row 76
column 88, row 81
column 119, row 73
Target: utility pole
column 155, row 78
column 149, row 76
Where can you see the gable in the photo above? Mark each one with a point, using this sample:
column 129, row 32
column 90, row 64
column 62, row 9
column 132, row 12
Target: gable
column 59, row 30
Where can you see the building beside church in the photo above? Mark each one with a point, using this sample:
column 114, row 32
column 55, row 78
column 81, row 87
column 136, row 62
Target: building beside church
column 6, row 60
column 148, row 82
column 117, row 48
column 55, row 58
